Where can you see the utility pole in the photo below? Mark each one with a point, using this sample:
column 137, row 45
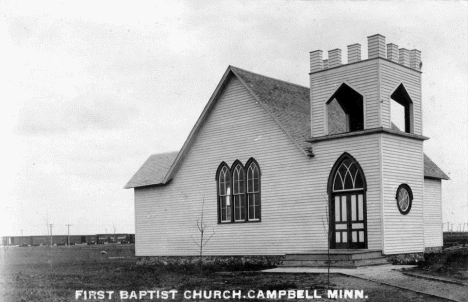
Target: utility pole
column 50, row 226
column 68, row 238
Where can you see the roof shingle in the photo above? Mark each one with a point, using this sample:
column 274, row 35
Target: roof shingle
column 431, row 170
column 153, row 171
column 288, row 103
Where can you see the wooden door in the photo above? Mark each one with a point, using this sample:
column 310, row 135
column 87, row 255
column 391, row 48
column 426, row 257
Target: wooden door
column 349, row 221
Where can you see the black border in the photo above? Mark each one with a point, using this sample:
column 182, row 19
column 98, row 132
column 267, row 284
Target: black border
column 410, row 192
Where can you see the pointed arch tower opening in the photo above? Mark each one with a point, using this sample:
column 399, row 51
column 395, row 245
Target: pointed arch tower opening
column 401, row 108
column 345, row 111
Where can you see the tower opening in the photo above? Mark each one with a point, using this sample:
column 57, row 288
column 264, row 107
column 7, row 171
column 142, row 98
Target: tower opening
column 345, row 111
column 401, row 108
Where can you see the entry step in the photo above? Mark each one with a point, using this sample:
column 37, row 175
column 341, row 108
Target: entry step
column 338, row 258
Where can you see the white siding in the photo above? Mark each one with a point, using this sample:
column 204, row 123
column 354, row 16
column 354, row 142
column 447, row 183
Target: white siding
column 238, row 128
column 402, row 162
column 433, row 213
column 365, row 149
column 362, row 77
column 392, row 75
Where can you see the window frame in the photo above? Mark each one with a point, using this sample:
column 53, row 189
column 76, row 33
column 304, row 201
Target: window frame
column 410, row 196
column 222, row 166
column 237, row 197
column 245, row 195
column 251, row 162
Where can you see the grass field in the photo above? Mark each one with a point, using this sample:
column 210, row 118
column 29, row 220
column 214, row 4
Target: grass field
column 56, row 273
column 452, row 263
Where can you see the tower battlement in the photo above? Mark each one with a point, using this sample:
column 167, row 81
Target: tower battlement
column 376, row 48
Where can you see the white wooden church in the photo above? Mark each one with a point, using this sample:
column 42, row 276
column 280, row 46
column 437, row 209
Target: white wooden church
column 276, row 164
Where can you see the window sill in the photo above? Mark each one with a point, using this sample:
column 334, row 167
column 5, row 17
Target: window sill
column 240, row 222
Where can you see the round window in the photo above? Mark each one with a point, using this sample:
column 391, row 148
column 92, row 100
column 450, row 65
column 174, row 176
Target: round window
column 404, row 198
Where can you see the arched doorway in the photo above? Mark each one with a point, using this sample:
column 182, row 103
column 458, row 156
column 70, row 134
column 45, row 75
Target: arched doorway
column 348, row 210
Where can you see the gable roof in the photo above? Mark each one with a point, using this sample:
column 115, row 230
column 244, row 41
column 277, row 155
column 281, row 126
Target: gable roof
column 431, row 170
column 288, row 104
column 153, row 171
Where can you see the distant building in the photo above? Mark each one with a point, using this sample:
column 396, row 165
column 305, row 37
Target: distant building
column 276, row 163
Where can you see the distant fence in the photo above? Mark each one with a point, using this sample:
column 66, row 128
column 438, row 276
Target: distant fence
column 455, row 238
column 454, row 227
column 67, row 240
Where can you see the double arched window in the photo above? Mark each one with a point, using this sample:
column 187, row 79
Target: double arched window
column 238, row 192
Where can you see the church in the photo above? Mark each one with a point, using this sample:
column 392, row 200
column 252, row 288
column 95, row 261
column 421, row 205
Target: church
column 276, row 168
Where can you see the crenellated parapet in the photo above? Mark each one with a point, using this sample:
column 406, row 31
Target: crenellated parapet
column 376, row 48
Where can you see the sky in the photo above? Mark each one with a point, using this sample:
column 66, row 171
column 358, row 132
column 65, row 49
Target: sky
column 90, row 89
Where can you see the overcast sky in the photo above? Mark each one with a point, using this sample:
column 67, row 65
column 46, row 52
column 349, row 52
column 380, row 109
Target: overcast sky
column 90, row 89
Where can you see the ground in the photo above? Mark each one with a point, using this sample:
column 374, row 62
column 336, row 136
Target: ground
column 56, row 273
column 452, row 263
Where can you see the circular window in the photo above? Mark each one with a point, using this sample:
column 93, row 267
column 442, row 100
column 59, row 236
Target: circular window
column 404, row 198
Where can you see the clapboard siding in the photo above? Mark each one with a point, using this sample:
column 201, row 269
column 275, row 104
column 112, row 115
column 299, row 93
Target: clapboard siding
column 238, row 128
column 392, row 75
column 402, row 162
column 361, row 76
column 433, row 213
column 365, row 149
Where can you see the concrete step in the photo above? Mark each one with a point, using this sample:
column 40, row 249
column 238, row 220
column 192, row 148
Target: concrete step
column 369, row 262
column 334, row 263
column 338, row 258
column 334, row 256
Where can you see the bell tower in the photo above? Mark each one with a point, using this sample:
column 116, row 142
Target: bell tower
column 367, row 114
column 382, row 91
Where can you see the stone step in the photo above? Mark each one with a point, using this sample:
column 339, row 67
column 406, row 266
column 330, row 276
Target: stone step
column 334, row 263
column 334, row 256
column 369, row 262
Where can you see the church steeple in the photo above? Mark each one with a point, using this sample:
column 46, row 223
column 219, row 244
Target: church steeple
column 383, row 91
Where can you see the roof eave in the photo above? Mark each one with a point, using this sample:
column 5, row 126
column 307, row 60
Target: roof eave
column 137, row 186
column 437, row 177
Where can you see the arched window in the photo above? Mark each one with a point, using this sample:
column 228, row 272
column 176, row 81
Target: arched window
column 253, row 190
column 224, row 193
column 238, row 192
column 348, row 177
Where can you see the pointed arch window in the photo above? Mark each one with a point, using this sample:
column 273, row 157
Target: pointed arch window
column 224, row 193
column 238, row 192
column 348, row 177
column 253, row 190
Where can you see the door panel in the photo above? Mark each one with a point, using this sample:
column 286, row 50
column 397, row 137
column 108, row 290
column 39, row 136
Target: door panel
column 349, row 222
